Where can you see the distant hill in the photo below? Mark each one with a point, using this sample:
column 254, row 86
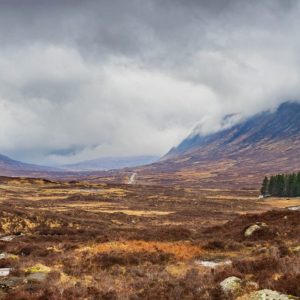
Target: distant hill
column 110, row 163
column 10, row 167
column 237, row 157
column 83, row 170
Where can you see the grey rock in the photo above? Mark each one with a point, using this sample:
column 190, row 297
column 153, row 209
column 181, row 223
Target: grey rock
column 11, row 282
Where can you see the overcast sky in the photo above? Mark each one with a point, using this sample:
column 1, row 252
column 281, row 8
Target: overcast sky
column 86, row 79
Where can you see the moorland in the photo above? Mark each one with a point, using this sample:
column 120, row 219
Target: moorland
column 89, row 240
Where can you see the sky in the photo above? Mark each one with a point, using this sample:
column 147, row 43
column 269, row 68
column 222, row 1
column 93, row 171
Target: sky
column 81, row 80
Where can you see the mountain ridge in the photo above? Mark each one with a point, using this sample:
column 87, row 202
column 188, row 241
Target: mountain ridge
column 266, row 143
column 286, row 110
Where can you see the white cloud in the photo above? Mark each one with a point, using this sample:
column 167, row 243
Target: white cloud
column 57, row 100
column 75, row 84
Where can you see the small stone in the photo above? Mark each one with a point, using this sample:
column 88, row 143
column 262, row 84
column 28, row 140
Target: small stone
column 294, row 208
column 262, row 250
column 296, row 250
column 4, row 272
column 8, row 238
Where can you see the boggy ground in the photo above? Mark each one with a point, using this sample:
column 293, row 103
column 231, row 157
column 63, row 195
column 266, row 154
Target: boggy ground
column 81, row 240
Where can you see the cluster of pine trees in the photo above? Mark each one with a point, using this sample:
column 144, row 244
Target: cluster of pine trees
column 282, row 185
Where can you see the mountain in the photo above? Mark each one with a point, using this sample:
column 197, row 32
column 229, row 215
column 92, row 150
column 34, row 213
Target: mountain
column 282, row 124
column 237, row 157
column 110, row 163
column 10, row 167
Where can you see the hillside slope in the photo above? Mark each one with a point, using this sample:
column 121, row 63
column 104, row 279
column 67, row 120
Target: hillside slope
column 10, row 167
column 237, row 157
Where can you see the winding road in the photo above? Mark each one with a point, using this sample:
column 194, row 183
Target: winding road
column 132, row 179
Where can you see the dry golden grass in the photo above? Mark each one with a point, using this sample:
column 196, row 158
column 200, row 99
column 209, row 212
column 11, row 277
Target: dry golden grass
column 181, row 251
column 282, row 202
column 144, row 213
column 91, row 205
column 230, row 197
column 178, row 270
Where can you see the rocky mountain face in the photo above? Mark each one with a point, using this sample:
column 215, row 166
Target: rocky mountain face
column 237, row 157
column 279, row 125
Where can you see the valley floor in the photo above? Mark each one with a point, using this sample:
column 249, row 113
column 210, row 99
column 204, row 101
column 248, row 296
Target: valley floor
column 82, row 240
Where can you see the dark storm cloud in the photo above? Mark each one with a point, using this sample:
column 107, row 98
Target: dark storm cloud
column 109, row 73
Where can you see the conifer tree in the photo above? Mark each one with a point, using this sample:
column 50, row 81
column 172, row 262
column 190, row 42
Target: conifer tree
column 298, row 185
column 282, row 185
column 265, row 186
column 272, row 185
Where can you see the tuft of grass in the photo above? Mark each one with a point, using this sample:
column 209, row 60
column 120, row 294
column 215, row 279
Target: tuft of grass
column 38, row 268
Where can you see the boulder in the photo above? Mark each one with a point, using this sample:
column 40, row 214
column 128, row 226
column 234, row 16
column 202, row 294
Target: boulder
column 266, row 295
column 252, row 228
column 231, row 284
